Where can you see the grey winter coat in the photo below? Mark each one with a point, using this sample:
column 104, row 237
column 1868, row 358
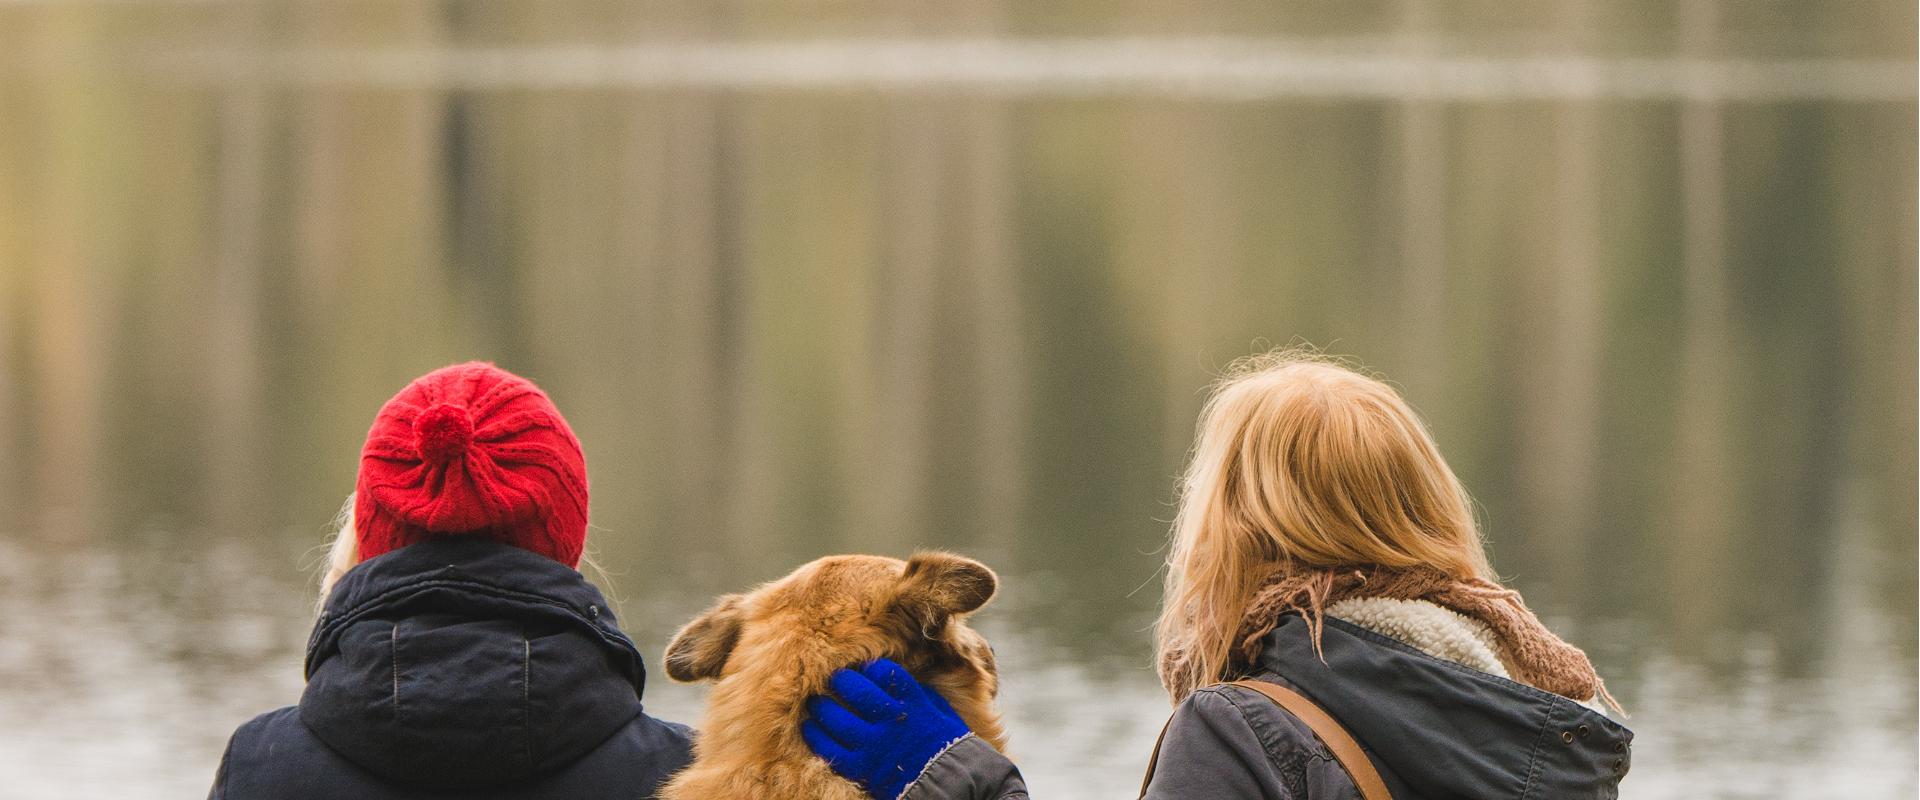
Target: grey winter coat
column 1434, row 729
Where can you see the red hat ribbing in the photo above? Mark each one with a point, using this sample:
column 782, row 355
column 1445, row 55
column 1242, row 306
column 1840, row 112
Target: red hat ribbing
column 472, row 449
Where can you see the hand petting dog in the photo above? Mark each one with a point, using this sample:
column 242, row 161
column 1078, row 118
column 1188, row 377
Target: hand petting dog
column 772, row 649
column 887, row 732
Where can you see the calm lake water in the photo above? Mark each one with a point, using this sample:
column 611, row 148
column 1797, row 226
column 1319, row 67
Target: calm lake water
column 899, row 277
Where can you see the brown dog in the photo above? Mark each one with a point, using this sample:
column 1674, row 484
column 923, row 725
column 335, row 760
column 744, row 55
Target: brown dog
column 772, row 648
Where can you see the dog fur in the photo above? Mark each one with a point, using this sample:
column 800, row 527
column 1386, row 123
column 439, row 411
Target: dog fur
column 770, row 649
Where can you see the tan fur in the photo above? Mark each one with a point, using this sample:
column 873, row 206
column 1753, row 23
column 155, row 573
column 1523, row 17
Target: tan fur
column 770, row 649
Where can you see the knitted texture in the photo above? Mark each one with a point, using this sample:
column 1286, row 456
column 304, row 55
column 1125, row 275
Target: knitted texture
column 1533, row 654
column 889, row 730
column 472, row 449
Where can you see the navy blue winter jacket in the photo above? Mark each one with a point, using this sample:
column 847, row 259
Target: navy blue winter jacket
column 460, row 668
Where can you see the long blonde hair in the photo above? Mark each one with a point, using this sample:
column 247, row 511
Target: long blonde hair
column 342, row 553
column 1300, row 462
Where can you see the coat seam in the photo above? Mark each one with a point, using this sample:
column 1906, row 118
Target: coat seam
column 1318, row 751
column 415, row 587
column 1533, row 757
column 526, row 697
column 1265, row 735
column 393, row 657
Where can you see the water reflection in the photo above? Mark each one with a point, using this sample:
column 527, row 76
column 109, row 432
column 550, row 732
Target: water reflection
column 1669, row 343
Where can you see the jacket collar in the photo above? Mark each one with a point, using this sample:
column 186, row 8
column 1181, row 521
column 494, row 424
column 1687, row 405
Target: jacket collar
column 1442, row 729
column 456, row 664
column 479, row 574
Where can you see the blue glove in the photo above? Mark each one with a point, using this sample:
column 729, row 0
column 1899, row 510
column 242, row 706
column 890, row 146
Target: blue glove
column 895, row 727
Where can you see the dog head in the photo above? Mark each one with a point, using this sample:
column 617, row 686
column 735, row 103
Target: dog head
column 780, row 642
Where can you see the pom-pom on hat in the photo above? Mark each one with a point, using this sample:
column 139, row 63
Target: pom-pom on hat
column 472, row 449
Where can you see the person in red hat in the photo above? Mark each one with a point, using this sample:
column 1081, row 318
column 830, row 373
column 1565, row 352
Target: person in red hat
column 459, row 652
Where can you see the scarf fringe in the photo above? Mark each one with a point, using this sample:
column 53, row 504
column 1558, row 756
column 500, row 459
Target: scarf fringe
column 1538, row 657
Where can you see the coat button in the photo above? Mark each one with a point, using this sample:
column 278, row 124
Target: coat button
column 1583, row 731
column 593, row 611
column 1566, row 736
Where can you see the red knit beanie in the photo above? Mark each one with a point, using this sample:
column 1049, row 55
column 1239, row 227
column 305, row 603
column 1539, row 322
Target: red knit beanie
column 472, row 449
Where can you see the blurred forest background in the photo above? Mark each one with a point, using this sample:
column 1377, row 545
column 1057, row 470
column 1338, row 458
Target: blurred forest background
column 872, row 276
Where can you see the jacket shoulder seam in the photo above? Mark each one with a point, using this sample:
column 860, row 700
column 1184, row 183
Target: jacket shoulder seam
column 1265, row 732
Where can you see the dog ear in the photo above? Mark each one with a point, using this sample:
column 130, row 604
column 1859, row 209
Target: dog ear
column 937, row 586
column 700, row 650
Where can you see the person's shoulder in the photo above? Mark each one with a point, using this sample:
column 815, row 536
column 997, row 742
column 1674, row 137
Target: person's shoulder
column 1231, row 741
column 267, row 724
column 649, row 739
column 274, row 736
column 666, row 731
column 641, row 755
column 269, row 750
column 1283, row 735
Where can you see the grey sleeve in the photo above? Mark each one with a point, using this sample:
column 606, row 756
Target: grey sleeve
column 970, row 769
column 1223, row 743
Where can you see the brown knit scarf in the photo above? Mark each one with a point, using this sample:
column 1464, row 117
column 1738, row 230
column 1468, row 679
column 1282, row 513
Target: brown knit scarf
column 1534, row 654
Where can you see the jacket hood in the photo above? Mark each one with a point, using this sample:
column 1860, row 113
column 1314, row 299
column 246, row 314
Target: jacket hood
column 1443, row 730
column 464, row 662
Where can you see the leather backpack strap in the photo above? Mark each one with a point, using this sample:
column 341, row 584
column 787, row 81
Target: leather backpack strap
column 1345, row 749
column 1336, row 738
column 1154, row 760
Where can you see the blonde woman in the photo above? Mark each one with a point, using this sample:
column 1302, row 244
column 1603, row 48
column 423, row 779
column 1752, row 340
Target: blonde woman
column 1330, row 629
